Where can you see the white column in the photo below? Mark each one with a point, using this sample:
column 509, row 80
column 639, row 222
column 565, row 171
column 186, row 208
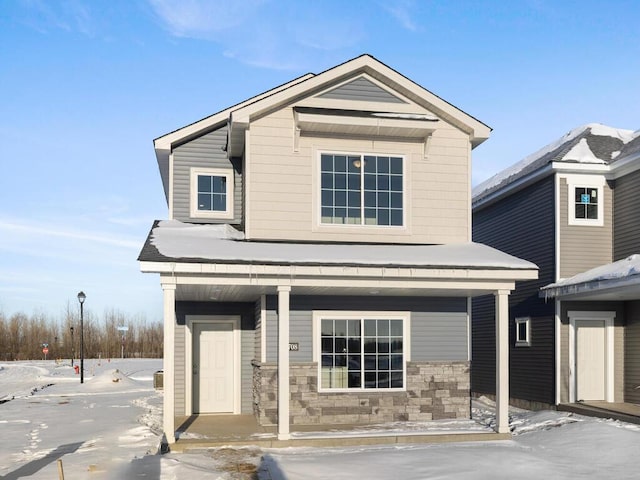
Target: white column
column 283, row 362
column 502, row 361
column 168, row 407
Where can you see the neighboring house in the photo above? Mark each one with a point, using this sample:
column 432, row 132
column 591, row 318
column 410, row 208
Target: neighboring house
column 571, row 207
column 317, row 262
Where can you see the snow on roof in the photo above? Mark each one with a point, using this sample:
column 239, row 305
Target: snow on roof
column 572, row 147
column 622, row 269
column 177, row 241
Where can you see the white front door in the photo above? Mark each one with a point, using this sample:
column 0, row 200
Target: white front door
column 591, row 377
column 213, row 367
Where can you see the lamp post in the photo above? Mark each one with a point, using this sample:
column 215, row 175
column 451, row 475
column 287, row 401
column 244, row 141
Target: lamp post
column 81, row 297
column 73, row 351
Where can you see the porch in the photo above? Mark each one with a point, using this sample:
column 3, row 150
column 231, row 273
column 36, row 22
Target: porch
column 209, row 431
column 624, row 412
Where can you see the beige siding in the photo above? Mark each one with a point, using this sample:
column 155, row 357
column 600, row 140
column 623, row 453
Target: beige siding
column 283, row 187
column 583, row 247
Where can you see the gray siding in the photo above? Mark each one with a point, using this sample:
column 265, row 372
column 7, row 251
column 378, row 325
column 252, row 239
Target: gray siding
column 439, row 336
column 626, row 216
column 513, row 226
column 363, row 90
column 438, row 325
column 246, row 311
column 204, row 151
column 583, row 247
column 632, row 352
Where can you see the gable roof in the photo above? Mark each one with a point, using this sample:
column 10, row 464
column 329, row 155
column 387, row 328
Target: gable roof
column 239, row 115
column 594, row 145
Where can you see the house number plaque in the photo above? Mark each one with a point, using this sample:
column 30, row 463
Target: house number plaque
column 293, row 347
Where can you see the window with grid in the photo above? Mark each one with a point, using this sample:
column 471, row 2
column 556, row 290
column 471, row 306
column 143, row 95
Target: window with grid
column 361, row 189
column 362, row 353
column 211, row 193
column 586, row 203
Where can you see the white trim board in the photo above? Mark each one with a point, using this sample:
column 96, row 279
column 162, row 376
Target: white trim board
column 190, row 320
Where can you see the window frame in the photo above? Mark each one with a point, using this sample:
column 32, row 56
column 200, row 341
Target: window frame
column 362, row 225
column 590, row 183
column 319, row 315
column 520, row 342
column 228, row 174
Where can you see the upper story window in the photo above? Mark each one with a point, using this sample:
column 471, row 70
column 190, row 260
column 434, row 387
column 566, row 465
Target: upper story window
column 361, row 189
column 212, row 193
column 585, row 200
column 586, row 203
column 361, row 351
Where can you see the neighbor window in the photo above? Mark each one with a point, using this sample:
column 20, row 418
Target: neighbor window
column 212, row 193
column 523, row 332
column 362, row 352
column 585, row 200
column 586, row 203
column 361, row 189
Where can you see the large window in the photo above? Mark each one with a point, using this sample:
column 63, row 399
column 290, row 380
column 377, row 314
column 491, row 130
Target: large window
column 365, row 352
column 361, row 189
column 212, row 193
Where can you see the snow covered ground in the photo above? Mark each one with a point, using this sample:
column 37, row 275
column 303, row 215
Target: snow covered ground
column 108, row 428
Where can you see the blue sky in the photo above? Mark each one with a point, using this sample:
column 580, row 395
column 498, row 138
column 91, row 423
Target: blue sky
column 85, row 86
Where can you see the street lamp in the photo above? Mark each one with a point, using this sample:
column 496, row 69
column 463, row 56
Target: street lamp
column 81, row 298
column 73, row 350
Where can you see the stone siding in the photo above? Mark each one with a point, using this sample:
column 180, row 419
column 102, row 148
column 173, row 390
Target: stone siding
column 435, row 391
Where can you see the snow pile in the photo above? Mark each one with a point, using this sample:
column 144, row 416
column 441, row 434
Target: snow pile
column 174, row 239
column 621, row 269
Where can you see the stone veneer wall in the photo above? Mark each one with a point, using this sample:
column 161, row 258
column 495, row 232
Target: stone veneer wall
column 435, row 390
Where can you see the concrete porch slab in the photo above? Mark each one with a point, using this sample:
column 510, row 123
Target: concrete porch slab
column 625, row 412
column 210, row 431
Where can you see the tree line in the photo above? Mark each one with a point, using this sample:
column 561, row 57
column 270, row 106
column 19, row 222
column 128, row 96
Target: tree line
column 24, row 337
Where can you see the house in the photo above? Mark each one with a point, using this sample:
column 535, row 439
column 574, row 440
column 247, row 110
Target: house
column 317, row 262
column 571, row 208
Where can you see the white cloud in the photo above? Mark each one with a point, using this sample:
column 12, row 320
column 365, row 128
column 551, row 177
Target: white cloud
column 401, row 10
column 64, row 232
column 203, row 19
column 266, row 34
column 69, row 15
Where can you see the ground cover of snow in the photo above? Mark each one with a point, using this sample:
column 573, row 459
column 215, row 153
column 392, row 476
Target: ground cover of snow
column 109, row 428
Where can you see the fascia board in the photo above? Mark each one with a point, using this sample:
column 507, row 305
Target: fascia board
column 478, row 131
column 625, row 166
column 553, row 167
column 387, row 273
column 595, row 287
column 166, row 141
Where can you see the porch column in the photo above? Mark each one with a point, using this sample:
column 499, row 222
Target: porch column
column 168, row 366
column 502, row 361
column 283, row 362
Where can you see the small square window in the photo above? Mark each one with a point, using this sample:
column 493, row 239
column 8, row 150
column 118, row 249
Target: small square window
column 585, row 201
column 523, row 332
column 211, row 193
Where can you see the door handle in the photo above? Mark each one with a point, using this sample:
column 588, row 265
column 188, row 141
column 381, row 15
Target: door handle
column 195, row 369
